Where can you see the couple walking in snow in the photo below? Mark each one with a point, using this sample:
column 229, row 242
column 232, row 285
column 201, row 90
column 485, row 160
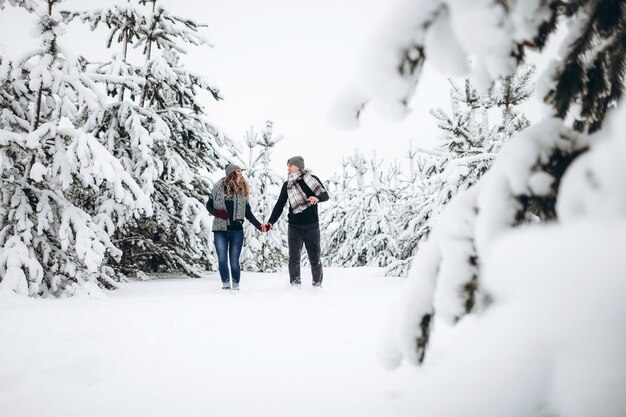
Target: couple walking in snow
column 228, row 203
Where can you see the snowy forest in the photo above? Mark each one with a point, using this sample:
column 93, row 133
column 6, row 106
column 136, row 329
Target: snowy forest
column 486, row 271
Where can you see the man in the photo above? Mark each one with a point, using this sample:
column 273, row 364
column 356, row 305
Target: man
column 303, row 191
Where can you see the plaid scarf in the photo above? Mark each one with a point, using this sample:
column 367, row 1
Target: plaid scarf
column 219, row 202
column 298, row 200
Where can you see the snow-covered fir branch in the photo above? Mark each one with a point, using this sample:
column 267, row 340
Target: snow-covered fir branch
column 499, row 283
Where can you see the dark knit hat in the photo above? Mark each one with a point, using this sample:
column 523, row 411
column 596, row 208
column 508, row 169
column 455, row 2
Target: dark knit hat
column 230, row 168
column 297, row 161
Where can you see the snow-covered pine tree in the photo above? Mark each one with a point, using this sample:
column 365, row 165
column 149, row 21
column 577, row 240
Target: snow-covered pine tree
column 49, row 245
column 545, row 171
column 359, row 227
column 125, row 129
column 263, row 252
column 381, row 221
column 412, row 198
column 473, row 133
column 331, row 219
column 338, row 184
column 162, row 134
column 339, row 221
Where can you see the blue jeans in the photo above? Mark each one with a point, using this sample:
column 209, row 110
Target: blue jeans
column 228, row 247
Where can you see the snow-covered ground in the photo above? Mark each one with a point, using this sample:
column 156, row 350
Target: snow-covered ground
column 183, row 347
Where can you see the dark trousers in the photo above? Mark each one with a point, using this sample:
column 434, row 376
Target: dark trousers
column 309, row 235
column 228, row 247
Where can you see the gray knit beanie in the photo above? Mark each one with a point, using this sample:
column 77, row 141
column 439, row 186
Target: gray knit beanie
column 230, row 168
column 297, row 161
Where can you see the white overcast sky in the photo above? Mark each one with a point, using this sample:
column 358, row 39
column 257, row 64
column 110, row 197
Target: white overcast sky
column 282, row 60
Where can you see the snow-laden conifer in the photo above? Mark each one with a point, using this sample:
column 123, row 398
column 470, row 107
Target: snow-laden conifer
column 50, row 243
column 158, row 128
column 473, row 133
column 359, row 228
column 339, row 221
column 333, row 234
column 554, row 170
column 263, row 252
column 382, row 215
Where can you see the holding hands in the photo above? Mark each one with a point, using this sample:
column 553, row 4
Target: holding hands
column 264, row 227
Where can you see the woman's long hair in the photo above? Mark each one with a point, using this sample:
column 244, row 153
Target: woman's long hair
column 236, row 184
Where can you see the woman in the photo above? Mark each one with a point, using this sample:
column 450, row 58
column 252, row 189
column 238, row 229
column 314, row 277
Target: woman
column 229, row 204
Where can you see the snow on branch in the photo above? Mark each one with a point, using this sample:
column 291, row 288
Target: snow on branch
column 449, row 34
column 97, row 165
column 29, row 5
column 15, row 260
